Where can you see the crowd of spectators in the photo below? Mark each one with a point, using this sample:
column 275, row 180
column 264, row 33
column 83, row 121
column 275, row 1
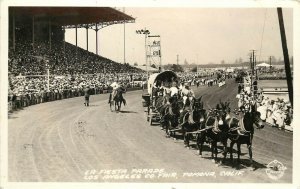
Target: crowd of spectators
column 71, row 69
column 25, row 91
column 276, row 112
column 209, row 78
column 272, row 73
column 63, row 58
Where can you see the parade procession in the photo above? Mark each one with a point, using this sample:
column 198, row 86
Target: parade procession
column 148, row 95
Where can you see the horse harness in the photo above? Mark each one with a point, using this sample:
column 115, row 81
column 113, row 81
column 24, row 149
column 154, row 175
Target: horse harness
column 216, row 128
column 241, row 131
column 169, row 111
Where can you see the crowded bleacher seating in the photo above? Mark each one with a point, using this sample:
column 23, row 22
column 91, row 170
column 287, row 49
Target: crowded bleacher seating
column 71, row 69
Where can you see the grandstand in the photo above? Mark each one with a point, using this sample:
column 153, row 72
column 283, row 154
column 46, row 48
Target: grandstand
column 37, row 41
column 44, row 67
column 62, row 60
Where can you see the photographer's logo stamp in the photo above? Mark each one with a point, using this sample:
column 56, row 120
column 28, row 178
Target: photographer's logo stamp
column 275, row 170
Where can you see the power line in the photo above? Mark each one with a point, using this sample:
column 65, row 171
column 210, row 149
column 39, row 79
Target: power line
column 262, row 36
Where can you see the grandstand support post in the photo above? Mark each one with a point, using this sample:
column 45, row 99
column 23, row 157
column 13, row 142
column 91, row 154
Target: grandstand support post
column 14, row 32
column 76, row 42
column 64, row 30
column 87, row 37
column 285, row 55
column 49, row 34
column 124, row 38
column 96, row 38
column 124, row 44
column 48, row 74
column 76, row 35
column 33, row 32
column 48, row 79
column 64, row 44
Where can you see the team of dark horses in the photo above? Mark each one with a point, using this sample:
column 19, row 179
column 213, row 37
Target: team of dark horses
column 187, row 115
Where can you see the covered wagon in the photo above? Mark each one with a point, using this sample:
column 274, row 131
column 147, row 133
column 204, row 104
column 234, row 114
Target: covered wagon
column 155, row 81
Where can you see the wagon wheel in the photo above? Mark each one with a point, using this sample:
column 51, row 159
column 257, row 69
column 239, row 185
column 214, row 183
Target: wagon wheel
column 148, row 113
column 149, row 116
column 150, row 120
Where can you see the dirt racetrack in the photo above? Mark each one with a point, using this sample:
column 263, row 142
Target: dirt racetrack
column 64, row 141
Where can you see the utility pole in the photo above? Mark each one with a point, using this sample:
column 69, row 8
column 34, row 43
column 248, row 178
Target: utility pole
column 285, row 55
column 270, row 61
column 252, row 63
column 254, row 68
column 250, row 67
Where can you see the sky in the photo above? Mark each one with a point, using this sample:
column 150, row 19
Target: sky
column 197, row 35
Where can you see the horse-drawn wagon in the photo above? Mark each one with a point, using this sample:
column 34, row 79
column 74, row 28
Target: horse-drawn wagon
column 154, row 90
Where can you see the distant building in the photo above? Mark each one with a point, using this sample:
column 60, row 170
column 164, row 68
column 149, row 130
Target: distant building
column 150, row 69
column 187, row 69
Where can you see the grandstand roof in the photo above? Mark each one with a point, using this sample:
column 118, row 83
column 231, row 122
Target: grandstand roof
column 71, row 16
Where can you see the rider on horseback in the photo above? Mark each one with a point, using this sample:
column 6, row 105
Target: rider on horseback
column 187, row 96
column 115, row 88
column 113, row 91
column 174, row 89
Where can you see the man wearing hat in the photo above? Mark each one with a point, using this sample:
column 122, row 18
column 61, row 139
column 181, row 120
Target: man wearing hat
column 191, row 93
column 239, row 88
column 87, row 96
column 174, row 90
column 113, row 92
column 185, row 90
